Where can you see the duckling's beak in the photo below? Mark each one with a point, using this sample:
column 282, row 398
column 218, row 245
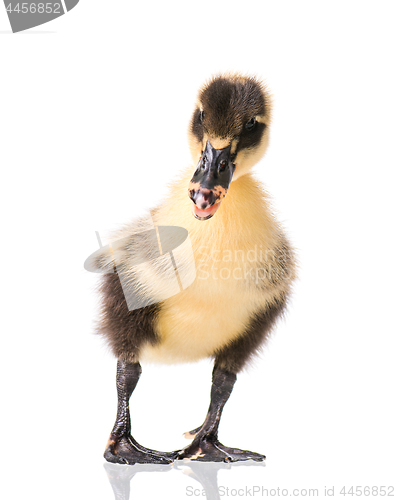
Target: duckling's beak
column 210, row 181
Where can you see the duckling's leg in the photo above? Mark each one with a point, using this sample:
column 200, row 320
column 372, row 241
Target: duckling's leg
column 205, row 446
column 122, row 447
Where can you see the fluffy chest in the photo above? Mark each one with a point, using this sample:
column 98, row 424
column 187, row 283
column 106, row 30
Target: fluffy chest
column 229, row 288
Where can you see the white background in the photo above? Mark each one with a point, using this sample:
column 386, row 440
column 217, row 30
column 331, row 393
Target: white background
column 94, row 108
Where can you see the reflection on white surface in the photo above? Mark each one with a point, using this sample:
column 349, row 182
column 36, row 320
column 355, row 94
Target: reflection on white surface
column 204, row 473
column 120, row 476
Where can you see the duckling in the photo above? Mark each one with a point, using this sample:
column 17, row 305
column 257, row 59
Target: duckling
column 244, row 270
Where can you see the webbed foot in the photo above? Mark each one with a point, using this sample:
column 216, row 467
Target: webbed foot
column 125, row 450
column 207, row 449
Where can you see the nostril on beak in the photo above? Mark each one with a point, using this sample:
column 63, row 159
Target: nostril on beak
column 204, row 199
column 200, row 201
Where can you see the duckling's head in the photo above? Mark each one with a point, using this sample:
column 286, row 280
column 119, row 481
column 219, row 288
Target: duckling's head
column 228, row 135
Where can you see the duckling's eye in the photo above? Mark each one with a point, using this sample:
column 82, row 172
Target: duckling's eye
column 250, row 124
column 222, row 165
column 202, row 116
